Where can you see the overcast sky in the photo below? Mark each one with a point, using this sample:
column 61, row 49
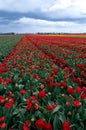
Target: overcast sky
column 43, row 16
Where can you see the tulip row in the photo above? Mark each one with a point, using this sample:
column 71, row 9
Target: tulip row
column 6, row 45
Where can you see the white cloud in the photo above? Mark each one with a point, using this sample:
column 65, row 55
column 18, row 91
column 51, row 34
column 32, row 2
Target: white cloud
column 67, row 8
column 43, row 5
column 61, row 4
column 33, row 22
column 19, row 5
column 38, row 22
column 24, row 5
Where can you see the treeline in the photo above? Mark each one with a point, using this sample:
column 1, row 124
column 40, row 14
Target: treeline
column 12, row 33
column 58, row 33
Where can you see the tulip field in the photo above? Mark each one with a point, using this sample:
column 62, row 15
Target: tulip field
column 42, row 82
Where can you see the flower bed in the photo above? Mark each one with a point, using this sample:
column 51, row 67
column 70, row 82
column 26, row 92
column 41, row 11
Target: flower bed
column 38, row 94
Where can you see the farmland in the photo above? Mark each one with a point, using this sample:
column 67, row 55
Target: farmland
column 43, row 82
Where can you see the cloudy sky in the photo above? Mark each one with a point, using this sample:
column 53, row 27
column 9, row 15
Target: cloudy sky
column 22, row 16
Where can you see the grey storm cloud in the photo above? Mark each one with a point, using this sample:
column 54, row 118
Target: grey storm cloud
column 43, row 15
